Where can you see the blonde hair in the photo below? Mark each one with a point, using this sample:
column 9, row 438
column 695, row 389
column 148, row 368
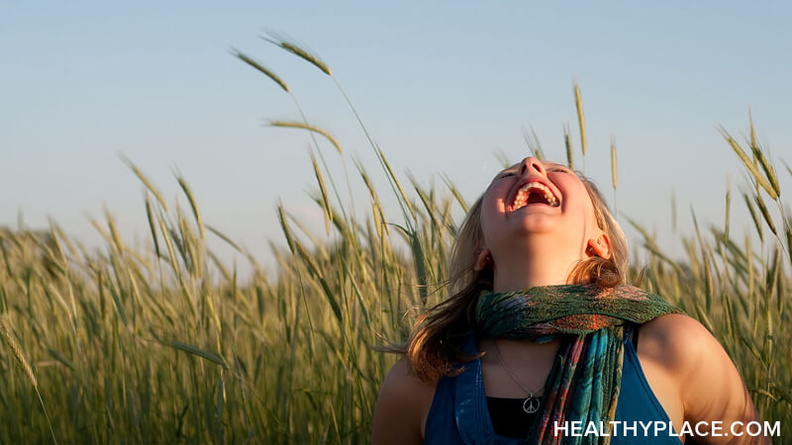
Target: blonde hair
column 435, row 347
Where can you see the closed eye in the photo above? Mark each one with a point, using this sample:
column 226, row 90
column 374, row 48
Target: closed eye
column 560, row 169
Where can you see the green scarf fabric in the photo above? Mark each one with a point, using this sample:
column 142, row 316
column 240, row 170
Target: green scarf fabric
column 586, row 377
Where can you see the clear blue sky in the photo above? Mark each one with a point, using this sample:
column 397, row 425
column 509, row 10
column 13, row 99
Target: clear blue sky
column 441, row 86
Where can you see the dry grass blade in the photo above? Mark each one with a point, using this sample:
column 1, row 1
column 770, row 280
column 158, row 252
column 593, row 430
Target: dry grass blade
column 194, row 350
column 300, row 52
column 568, row 145
column 55, row 241
column 116, row 300
column 419, row 261
column 152, row 226
column 754, row 217
column 768, row 169
column 650, row 243
column 427, row 200
column 614, row 171
column 395, row 182
column 11, row 342
column 761, row 180
column 266, row 71
column 759, row 155
column 581, row 118
column 316, row 272
column 9, row 339
column 379, row 216
column 225, row 238
column 188, row 248
column 753, row 141
column 533, row 144
column 765, row 214
column 503, row 159
column 167, row 236
column 727, row 217
column 287, row 232
column 118, row 244
column 325, row 202
column 789, row 242
column 61, row 359
column 456, row 194
column 311, row 128
column 193, row 206
column 145, row 182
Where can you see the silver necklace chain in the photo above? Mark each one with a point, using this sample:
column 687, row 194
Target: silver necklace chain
column 532, row 403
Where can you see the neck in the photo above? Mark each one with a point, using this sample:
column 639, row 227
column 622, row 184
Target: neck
column 522, row 270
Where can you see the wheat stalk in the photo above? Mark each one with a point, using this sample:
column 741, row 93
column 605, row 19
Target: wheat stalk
column 568, row 146
column 261, row 68
column 312, row 129
column 581, row 118
column 299, row 51
column 614, row 170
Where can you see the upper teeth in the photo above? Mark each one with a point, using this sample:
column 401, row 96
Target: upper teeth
column 523, row 194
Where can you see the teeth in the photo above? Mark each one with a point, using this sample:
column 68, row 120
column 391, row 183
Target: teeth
column 525, row 192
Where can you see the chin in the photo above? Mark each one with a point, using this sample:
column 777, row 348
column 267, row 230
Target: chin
column 538, row 223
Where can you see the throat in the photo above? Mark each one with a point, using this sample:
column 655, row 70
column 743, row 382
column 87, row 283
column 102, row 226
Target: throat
column 516, row 265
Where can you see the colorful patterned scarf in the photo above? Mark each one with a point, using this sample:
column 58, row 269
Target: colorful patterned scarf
column 586, row 377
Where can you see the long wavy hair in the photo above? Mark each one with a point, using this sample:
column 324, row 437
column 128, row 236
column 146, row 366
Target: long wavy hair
column 435, row 346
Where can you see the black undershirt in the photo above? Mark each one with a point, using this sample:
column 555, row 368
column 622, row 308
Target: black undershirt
column 508, row 417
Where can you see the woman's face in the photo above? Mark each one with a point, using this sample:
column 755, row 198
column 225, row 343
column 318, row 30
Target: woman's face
column 537, row 198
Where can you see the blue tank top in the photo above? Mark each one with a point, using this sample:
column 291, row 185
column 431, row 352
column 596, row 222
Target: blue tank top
column 459, row 413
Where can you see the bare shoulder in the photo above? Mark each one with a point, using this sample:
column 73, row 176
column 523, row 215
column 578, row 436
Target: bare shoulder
column 677, row 341
column 402, row 384
column 704, row 377
column 684, row 347
column 402, row 406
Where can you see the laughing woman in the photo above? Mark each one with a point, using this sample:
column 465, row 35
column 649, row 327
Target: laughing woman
column 543, row 342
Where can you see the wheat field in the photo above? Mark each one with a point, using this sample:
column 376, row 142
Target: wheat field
column 167, row 344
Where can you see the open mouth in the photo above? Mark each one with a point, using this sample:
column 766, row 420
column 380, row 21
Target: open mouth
column 533, row 193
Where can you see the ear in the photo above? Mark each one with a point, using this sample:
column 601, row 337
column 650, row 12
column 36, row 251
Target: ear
column 599, row 246
column 483, row 260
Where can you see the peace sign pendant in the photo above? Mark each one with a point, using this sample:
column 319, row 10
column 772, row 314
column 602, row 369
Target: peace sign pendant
column 531, row 404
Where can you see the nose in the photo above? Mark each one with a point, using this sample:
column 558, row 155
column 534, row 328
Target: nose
column 532, row 165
